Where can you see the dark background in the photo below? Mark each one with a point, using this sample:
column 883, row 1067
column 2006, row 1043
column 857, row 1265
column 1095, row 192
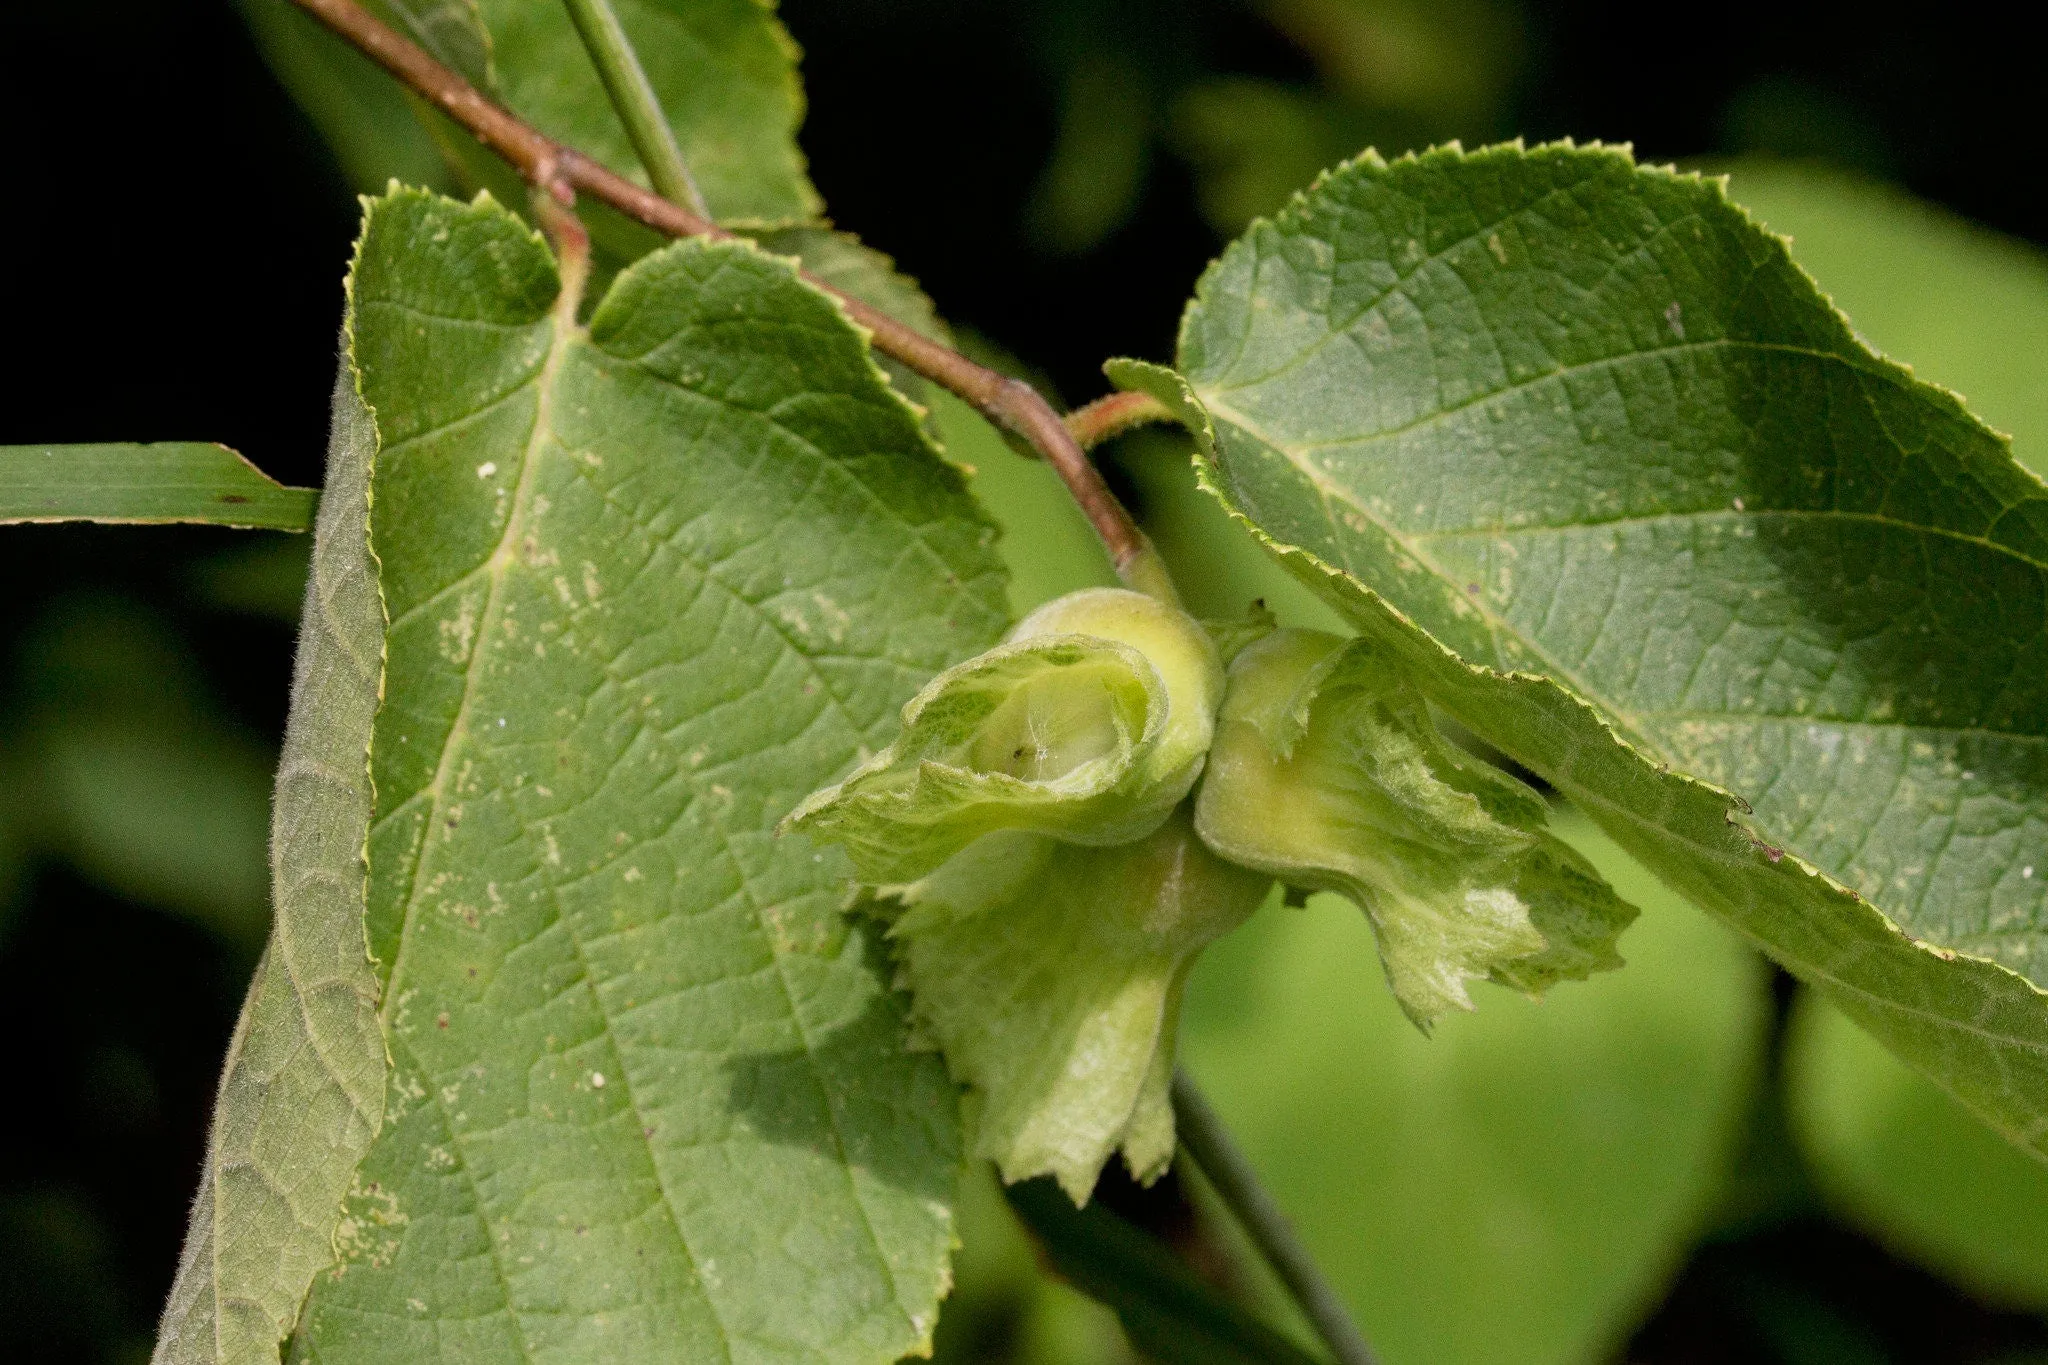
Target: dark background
column 171, row 257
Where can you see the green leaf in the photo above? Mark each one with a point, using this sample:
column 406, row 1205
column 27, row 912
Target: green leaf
column 843, row 261
column 1171, row 1316
column 1329, row 774
column 724, row 71
column 302, row 1091
column 649, row 584
column 1090, row 722
column 1050, row 974
column 1969, row 310
column 1586, row 422
column 1047, row 544
column 1517, row 1188
column 1966, row 307
column 1911, row 1166
column 170, row 481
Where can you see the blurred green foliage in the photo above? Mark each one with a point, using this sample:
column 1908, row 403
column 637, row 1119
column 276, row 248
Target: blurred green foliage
column 120, row 764
column 1519, row 1187
column 1134, row 85
column 1906, row 1161
column 1024, row 1314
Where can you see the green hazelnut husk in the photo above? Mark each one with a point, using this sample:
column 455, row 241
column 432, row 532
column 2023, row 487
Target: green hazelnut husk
column 1051, row 976
column 1090, row 722
column 1329, row 773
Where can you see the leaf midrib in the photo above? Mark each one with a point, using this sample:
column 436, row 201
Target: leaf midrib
column 566, row 335
column 1296, row 450
column 1509, row 532
column 1562, row 372
column 1633, row 720
column 1414, row 543
column 1741, row 718
column 498, row 564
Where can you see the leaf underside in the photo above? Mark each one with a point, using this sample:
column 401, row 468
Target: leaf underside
column 1591, row 428
column 167, row 481
column 302, row 1090
column 649, row 584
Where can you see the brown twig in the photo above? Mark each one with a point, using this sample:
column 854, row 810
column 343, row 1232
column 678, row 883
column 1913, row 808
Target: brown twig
column 561, row 171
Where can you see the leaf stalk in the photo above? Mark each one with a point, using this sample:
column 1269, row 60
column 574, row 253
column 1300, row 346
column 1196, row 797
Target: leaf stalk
column 1206, row 1139
column 571, row 241
column 562, row 172
column 638, row 107
column 1113, row 414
